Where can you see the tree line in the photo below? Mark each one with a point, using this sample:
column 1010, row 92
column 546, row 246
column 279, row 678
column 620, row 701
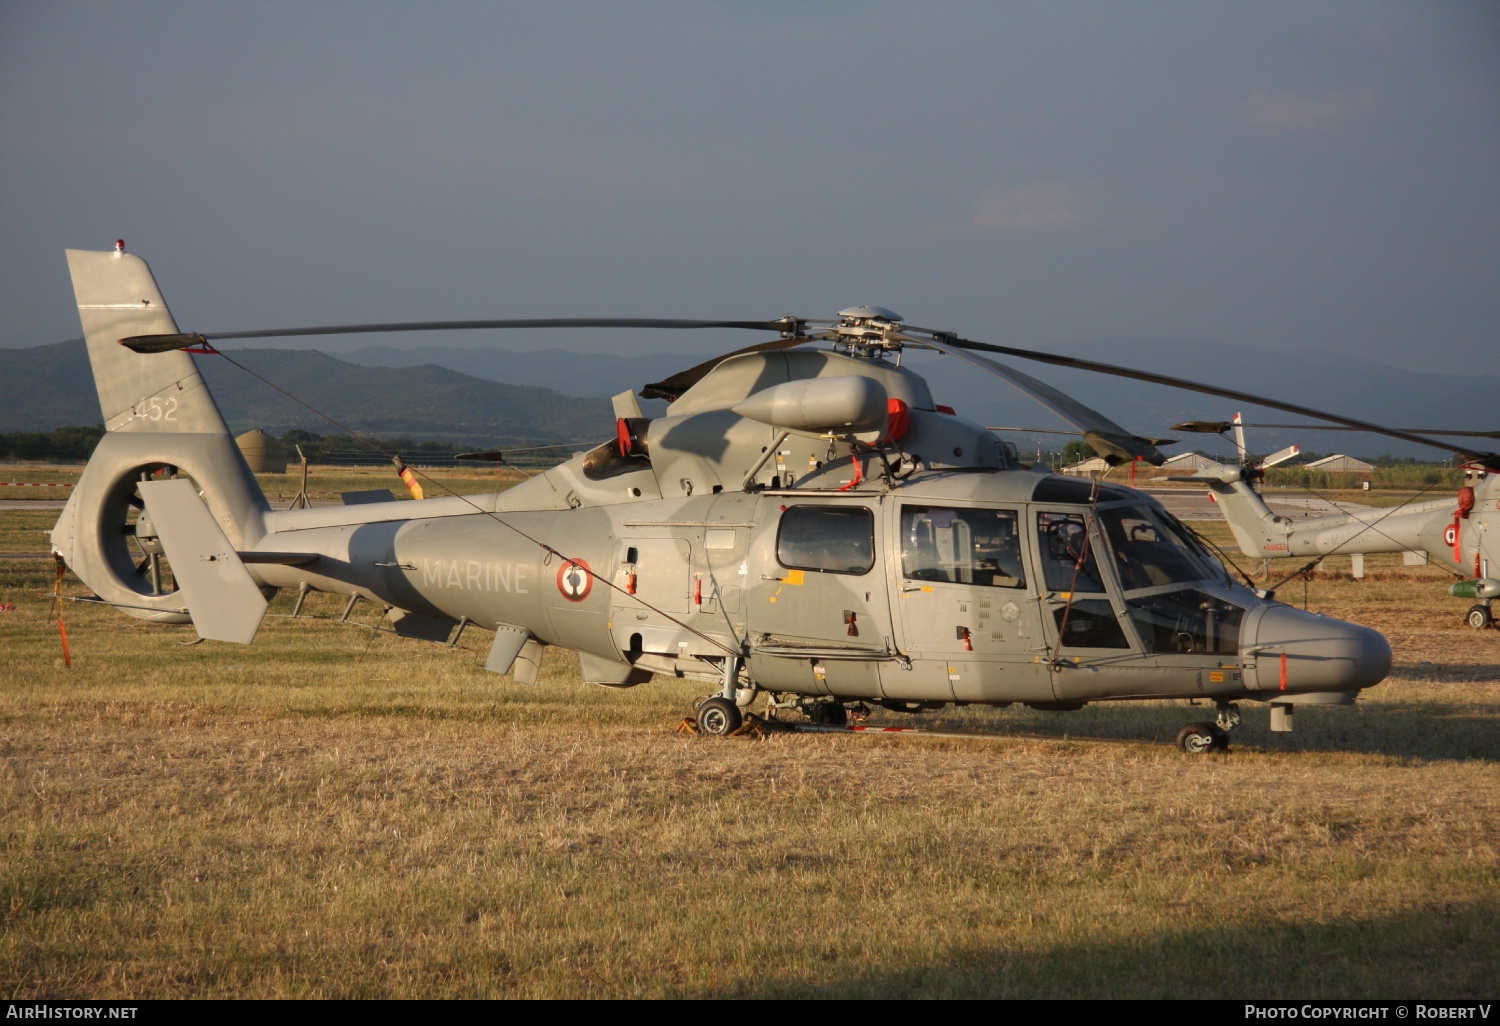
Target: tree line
column 76, row 444
column 62, row 445
column 348, row 449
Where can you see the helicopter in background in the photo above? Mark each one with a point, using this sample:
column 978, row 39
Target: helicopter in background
column 804, row 524
column 1461, row 533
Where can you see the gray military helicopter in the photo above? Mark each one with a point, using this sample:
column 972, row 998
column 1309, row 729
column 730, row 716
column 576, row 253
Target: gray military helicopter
column 805, row 524
column 1461, row 534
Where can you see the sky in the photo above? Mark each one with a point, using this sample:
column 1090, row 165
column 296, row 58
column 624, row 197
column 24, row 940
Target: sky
column 1290, row 176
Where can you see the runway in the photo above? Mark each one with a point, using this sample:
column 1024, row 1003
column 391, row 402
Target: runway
column 1194, row 504
column 32, row 504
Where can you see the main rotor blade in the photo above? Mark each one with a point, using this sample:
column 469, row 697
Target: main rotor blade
column 498, row 455
column 1118, row 444
column 671, row 389
column 1224, row 393
column 1035, row 431
column 1336, row 427
column 167, row 343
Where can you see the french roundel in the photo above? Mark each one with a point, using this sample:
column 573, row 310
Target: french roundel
column 1450, row 536
column 575, row 580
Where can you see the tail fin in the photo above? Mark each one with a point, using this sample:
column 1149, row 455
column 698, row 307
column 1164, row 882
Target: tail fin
column 1257, row 531
column 118, row 297
column 159, row 419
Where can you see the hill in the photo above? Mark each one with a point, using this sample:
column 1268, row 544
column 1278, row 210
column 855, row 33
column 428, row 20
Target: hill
column 48, row 386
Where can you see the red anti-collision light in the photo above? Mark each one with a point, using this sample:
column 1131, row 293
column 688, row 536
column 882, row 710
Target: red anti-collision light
column 950, row 411
column 898, row 420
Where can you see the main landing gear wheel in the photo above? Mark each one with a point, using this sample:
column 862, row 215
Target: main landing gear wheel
column 718, row 717
column 1479, row 617
column 1199, row 738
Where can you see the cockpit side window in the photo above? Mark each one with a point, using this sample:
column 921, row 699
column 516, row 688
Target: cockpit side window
column 962, row 546
column 834, row 539
column 1067, row 557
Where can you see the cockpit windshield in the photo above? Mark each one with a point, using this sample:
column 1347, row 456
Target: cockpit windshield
column 1150, row 550
column 1155, row 556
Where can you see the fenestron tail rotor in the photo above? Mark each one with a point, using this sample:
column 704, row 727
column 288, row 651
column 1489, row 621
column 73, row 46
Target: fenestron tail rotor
column 141, row 537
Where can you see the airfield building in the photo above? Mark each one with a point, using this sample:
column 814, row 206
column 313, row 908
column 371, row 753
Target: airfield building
column 1341, row 465
column 1190, row 462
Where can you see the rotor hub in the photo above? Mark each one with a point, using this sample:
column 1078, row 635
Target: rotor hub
column 868, row 330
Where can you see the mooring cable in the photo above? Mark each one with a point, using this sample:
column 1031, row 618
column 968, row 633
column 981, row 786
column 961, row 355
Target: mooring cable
column 548, row 549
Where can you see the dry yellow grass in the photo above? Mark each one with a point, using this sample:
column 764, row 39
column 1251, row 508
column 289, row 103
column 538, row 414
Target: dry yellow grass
column 332, row 812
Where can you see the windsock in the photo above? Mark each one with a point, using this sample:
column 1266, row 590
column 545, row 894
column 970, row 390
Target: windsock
column 412, row 484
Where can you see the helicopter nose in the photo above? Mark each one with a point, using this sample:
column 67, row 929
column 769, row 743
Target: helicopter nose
column 1322, row 654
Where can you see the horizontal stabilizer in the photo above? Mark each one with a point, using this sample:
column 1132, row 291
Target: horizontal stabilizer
column 222, row 598
column 1280, row 457
column 1225, row 476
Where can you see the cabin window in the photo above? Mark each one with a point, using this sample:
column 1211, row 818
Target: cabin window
column 834, row 539
column 1150, row 550
column 1187, row 621
column 962, row 546
column 1089, row 623
column 1067, row 557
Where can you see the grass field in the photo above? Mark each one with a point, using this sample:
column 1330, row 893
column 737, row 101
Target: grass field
column 336, row 812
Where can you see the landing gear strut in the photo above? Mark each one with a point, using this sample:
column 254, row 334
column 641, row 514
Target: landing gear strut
column 1198, row 738
column 719, row 715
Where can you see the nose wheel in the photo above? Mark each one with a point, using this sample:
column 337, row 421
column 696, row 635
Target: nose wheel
column 1479, row 617
column 719, row 717
column 1201, row 738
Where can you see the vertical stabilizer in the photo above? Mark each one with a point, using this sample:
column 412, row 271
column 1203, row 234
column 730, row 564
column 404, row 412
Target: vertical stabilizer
column 160, row 422
column 1257, row 531
column 118, row 297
